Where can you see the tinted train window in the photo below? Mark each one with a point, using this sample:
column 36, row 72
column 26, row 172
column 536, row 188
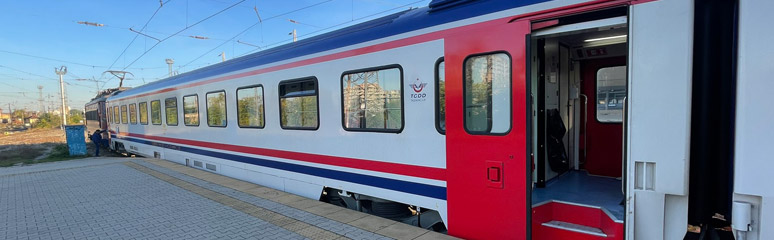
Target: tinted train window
column 250, row 107
column 487, row 94
column 116, row 116
column 109, row 114
column 143, row 113
column 216, row 109
column 440, row 93
column 170, row 111
column 191, row 110
column 373, row 100
column 611, row 91
column 156, row 112
column 298, row 104
column 133, row 113
column 123, row 114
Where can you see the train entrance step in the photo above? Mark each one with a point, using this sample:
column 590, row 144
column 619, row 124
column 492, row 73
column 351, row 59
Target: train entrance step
column 564, row 220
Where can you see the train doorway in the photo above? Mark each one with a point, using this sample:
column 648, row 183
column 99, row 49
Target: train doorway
column 578, row 75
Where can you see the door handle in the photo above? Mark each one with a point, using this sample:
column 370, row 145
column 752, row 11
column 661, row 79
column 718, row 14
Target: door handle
column 494, row 174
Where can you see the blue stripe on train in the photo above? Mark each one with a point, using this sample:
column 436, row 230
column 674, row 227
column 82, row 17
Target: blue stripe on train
column 380, row 182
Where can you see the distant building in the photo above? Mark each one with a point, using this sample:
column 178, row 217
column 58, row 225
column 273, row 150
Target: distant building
column 32, row 119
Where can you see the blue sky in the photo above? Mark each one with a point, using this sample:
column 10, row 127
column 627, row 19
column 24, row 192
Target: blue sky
column 37, row 36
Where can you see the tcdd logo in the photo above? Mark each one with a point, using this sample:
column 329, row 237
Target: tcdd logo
column 418, row 95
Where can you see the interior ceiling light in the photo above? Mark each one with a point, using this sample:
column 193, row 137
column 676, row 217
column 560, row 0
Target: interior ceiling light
column 604, row 38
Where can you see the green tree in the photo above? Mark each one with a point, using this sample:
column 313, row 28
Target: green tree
column 19, row 113
column 48, row 120
column 75, row 117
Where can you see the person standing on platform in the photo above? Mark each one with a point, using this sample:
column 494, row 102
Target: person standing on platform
column 96, row 138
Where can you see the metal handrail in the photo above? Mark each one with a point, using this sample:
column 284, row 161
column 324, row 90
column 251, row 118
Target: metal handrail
column 585, row 120
column 623, row 151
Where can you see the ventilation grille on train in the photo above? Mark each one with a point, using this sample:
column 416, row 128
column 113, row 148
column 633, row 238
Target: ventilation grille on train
column 210, row 166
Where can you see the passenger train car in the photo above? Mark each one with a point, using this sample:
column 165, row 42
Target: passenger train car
column 96, row 114
column 495, row 119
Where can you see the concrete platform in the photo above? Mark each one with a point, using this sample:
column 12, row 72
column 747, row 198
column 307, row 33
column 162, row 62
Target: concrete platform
column 116, row 198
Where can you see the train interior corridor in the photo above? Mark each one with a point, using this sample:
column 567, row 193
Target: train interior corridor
column 578, row 81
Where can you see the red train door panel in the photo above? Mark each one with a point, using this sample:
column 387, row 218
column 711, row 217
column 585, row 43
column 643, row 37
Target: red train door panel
column 604, row 129
column 486, row 106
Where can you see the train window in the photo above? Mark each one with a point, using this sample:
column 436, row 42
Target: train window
column 250, row 107
column 440, row 96
column 170, row 111
column 116, row 116
column 298, row 104
column 109, row 114
column 143, row 113
column 156, row 112
column 133, row 113
column 611, row 91
column 373, row 99
column 123, row 114
column 216, row 109
column 487, row 94
column 191, row 110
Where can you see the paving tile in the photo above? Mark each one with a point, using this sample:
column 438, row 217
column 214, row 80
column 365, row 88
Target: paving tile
column 346, row 216
column 372, row 223
column 324, row 209
column 430, row 235
column 94, row 200
column 402, row 231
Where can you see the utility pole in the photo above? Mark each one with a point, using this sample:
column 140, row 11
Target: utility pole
column 169, row 63
column 294, row 35
column 40, row 99
column 222, row 56
column 61, row 72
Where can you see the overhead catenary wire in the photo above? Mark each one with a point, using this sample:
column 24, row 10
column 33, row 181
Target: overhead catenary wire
column 67, row 61
column 181, row 30
column 172, row 35
column 250, row 27
column 137, row 35
column 330, row 27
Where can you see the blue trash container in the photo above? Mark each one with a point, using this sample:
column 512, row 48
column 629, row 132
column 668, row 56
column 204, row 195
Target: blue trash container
column 76, row 139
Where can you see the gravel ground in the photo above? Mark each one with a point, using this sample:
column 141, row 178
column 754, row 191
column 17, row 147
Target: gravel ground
column 34, row 136
column 39, row 145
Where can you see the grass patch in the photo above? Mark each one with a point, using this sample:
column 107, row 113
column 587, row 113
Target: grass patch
column 59, row 153
column 26, row 154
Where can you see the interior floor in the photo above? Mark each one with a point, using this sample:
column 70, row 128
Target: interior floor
column 582, row 188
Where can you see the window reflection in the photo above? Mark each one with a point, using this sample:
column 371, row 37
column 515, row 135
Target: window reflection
column 611, row 91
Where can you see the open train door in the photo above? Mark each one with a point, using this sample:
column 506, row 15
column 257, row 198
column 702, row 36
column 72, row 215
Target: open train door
column 486, row 130
column 658, row 119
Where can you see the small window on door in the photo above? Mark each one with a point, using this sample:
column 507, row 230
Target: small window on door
column 440, row 93
column 487, row 94
column 611, row 91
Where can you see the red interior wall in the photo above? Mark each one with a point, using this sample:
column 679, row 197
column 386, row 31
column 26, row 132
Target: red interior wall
column 604, row 141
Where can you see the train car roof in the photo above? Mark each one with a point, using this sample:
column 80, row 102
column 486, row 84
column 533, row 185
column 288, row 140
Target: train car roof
column 104, row 94
column 436, row 13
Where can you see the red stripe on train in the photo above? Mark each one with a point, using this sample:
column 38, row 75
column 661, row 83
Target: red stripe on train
column 363, row 164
